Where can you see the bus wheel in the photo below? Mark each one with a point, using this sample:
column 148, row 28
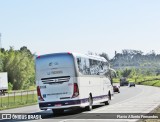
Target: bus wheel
column 109, row 99
column 57, row 111
column 89, row 107
column 3, row 93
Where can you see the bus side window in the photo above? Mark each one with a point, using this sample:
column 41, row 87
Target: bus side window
column 83, row 66
column 101, row 69
column 94, row 67
column 101, row 65
column 78, row 60
column 106, row 69
column 79, row 65
column 87, row 67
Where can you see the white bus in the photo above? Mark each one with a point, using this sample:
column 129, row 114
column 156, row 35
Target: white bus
column 67, row 80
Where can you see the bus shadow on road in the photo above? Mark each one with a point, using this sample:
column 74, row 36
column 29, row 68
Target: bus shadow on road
column 68, row 114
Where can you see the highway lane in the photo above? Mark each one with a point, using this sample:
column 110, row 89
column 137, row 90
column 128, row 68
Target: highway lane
column 135, row 99
column 126, row 92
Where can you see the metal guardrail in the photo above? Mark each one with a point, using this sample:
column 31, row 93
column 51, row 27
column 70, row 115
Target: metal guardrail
column 17, row 98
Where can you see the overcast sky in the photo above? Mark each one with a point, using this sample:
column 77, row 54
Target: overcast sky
column 48, row 26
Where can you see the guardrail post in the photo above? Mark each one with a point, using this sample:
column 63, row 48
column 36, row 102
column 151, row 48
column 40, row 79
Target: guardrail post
column 1, row 101
column 8, row 99
column 14, row 97
column 33, row 96
column 21, row 96
column 27, row 96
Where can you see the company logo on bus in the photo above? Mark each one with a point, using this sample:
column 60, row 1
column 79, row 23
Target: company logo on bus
column 54, row 72
column 51, row 63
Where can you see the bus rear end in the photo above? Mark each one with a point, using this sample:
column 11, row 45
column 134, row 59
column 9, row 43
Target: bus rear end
column 56, row 81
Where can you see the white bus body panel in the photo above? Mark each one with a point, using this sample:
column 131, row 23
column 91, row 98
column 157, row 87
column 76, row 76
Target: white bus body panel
column 63, row 67
column 98, row 87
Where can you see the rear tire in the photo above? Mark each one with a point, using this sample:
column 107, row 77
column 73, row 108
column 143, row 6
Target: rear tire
column 58, row 111
column 3, row 93
column 109, row 99
column 89, row 107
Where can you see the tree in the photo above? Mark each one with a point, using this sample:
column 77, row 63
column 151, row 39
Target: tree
column 126, row 72
column 25, row 50
column 20, row 67
column 1, row 61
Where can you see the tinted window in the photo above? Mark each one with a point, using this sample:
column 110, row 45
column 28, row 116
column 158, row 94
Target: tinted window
column 83, row 66
column 91, row 67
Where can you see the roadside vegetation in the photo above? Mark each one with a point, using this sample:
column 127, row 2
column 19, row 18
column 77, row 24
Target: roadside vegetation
column 19, row 64
column 18, row 99
column 139, row 77
column 138, row 67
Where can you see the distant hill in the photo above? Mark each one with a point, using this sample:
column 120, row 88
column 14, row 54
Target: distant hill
column 136, row 59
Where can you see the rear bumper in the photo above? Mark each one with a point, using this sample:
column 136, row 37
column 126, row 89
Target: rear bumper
column 70, row 103
column 63, row 104
column 116, row 89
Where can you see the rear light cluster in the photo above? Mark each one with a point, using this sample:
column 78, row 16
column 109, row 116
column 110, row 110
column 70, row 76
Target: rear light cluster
column 38, row 56
column 39, row 94
column 75, row 90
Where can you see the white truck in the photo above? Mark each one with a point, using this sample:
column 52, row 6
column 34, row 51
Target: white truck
column 3, row 82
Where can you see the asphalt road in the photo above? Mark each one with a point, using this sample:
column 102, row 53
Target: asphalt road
column 139, row 99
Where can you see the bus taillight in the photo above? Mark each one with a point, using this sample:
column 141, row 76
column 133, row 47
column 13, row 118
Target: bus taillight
column 39, row 94
column 69, row 53
column 75, row 90
column 38, row 56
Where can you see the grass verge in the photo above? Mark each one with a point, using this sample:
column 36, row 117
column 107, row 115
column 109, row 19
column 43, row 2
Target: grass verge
column 7, row 102
column 149, row 81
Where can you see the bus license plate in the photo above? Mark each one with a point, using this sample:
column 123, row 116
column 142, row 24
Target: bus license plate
column 57, row 105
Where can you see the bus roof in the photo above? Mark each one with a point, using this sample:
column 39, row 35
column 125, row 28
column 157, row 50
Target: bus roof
column 90, row 56
column 95, row 57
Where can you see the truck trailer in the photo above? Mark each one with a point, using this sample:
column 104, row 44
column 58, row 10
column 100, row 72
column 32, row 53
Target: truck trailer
column 3, row 82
